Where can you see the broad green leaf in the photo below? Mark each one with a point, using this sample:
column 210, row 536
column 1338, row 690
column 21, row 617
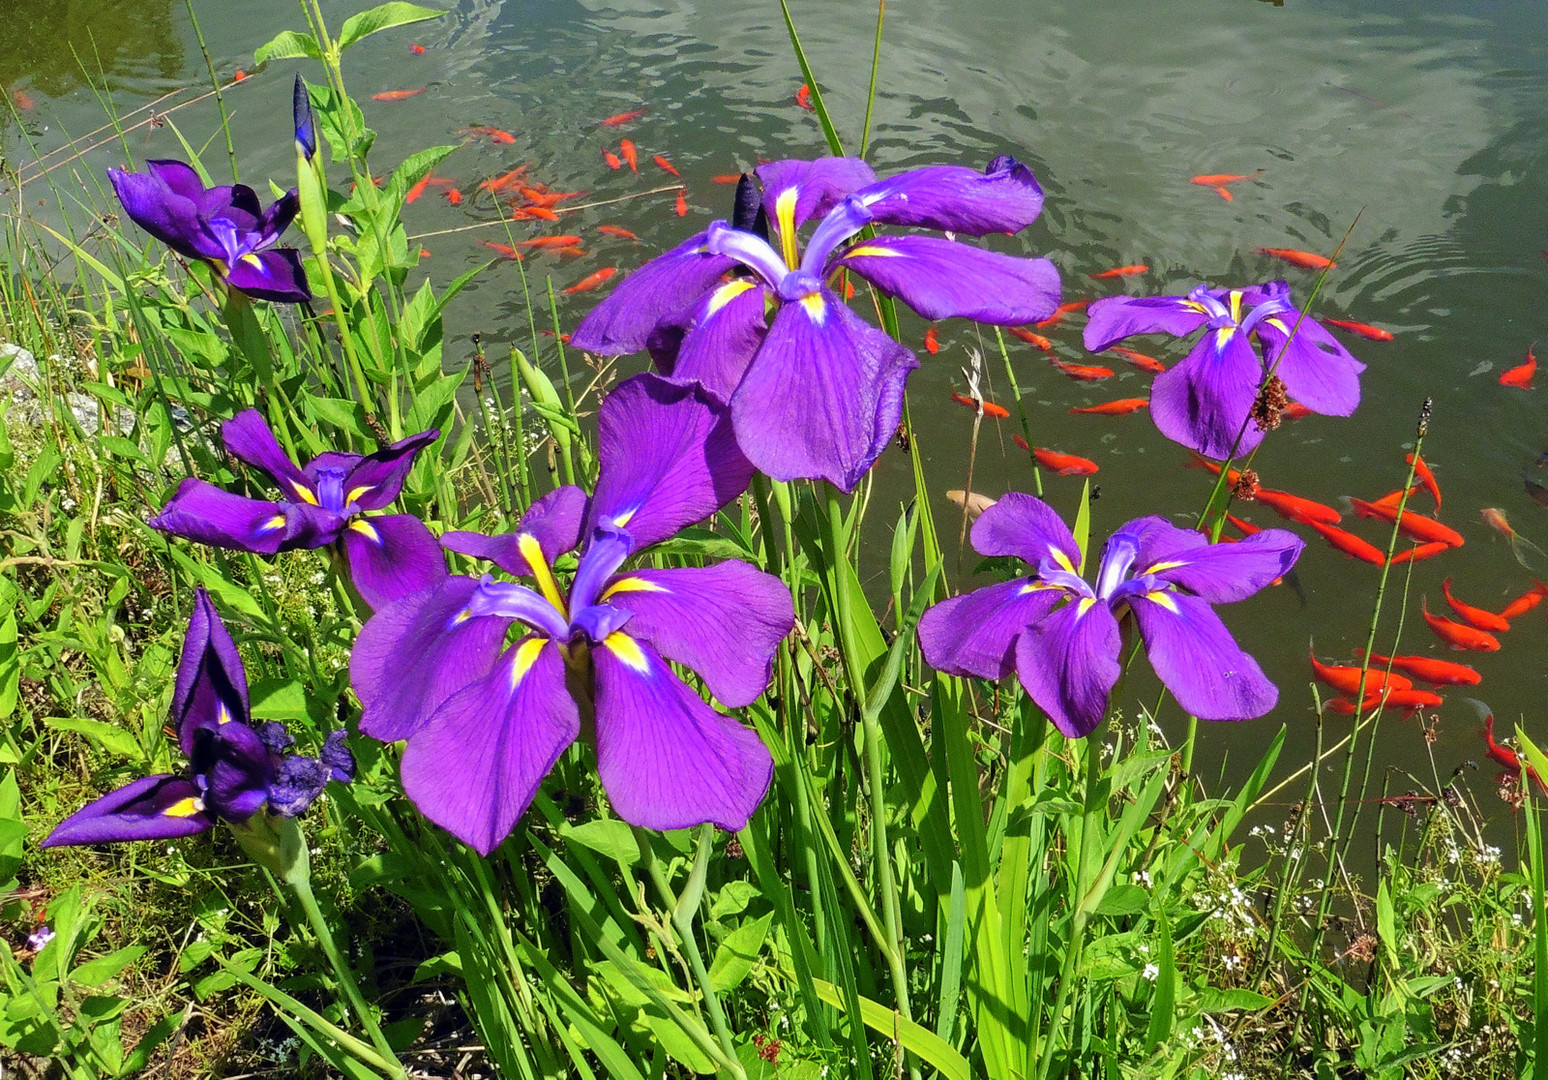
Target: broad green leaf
column 10, row 657
column 606, row 836
column 1213, row 1000
column 1163, row 1000
column 1123, row 900
column 111, row 738
column 931, row 1048
column 287, row 45
column 98, row 971
column 737, row 955
column 382, row 17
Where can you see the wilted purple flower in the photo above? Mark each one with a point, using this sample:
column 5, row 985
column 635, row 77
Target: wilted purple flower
column 234, row 771
column 389, row 555
column 1061, row 636
column 484, row 726
column 815, row 391
column 224, row 226
column 1204, row 402
column 40, row 937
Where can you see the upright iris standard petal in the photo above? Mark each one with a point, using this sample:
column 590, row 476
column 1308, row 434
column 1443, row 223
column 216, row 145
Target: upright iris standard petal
column 275, row 275
column 1198, row 660
column 550, row 527
column 1068, row 663
column 392, row 556
column 248, row 438
column 415, row 653
column 667, row 760
column 975, row 634
column 668, row 459
column 713, row 342
column 942, row 279
column 724, row 622
column 236, row 767
column 377, row 478
column 211, row 685
column 1005, row 197
column 475, row 766
column 1204, row 402
column 158, row 807
column 667, row 284
column 301, row 115
column 1216, row 573
column 1026, row 527
column 170, row 217
column 795, row 190
column 824, row 394
column 202, row 512
column 1114, row 318
column 1317, row 370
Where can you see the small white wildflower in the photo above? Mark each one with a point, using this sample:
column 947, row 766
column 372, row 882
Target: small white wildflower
column 1151, row 972
column 1141, row 877
column 1232, row 961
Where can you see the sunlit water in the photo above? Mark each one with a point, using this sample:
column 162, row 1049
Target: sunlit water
column 1425, row 124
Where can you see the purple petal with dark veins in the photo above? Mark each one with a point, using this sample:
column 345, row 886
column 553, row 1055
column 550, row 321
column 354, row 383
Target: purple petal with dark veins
column 1198, row 660
column 664, row 286
column 274, row 275
column 668, row 459
column 475, row 766
column 823, row 396
column 553, row 523
column 156, row 808
column 1203, row 402
column 1114, row 318
column 297, row 783
column 713, row 343
column 1316, row 368
column 1218, row 573
column 667, row 760
column 723, row 622
column 337, row 755
column 392, row 556
column 942, row 279
column 1005, row 197
column 414, row 654
column 211, row 684
column 975, row 634
column 1068, row 663
column 249, row 439
column 818, row 185
column 1028, row 528
column 236, row 767
column 169, row 217
column 276, row 219
column 377, row 478
column 202, row 512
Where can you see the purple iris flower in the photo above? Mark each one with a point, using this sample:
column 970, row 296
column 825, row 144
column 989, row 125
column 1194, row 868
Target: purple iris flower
column 1061, row 636
column 234, row 769
column 1205, row 401
column 224, row 226
column 301, row 116
column 389, row 555
column 486, row 722
column 815, row 391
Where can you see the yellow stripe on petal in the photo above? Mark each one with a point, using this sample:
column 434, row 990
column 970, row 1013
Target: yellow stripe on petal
column 275, row 522
column 1063, row 560
column 816, row 307
column 1085, row 604
column 532, row 551
column 185, row 807
column 526, row 655
column 1278, row 325
column 1223, row 335
column 1164, row 565
column 1164, row 599
column 1236, row 305
column 355, row 493
column 1038, row 586
column 367, row 530
column 631, row 584
column 784, row 215
column 304, row 492
column 725, row 294
column 627, row 650
column 865, row 250
column 224, row 717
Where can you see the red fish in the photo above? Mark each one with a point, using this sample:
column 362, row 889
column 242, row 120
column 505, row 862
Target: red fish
column 614, row 230
column 1037, row 341
column 1425, row 669
column 1295, row 411
column 1477, row 618
column 497, row 184
column 727, row 178
column 1064, row 464
column 1426, row 477
column 1409, row 700
column 1217, row 179
column 1504, row 755
column 1526, row 601
column 1346, row 680
column 804, row 97
column 1139, row 359
column 1304, row 259
column 630, row 155
column 592, row 280
column 239, row 76
column 666, row 166
column 417, row 190
column 1060, row 312
column 549, row 242
column 619, row 119
column 504, row 249
column 398, row 95
column 424, row 253
column 932, row 341
column 1246, row 528
column 1225, row 194
column 1392, row 498
column 1112, row 408
column 1520, row 376
column 454, row 196
column 1419, row 552
column 1412, row 525
column 23, row 100
column 1083, row 372
column 1348, row 543
column 1365, row 330
column 417, row 50
column 534, row 213
column 849, row 288
column 1294, row 508
column 611, row 159
column 990, row 408
column 493, row 134
column 1459, row 635
column 682, row 203
column 1122, row 271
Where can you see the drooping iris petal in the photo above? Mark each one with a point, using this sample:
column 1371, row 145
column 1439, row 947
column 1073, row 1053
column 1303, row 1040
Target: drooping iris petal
column 1005, row 197
column 156, row 808
column 667, row 760
column 376, row 480
column 204, row 513
column 1316, row 368
column 668, row 458
column 1217, row 573
column 942, row 279
column 713, row 343
column 248, row 438
column 664, row 286
column 169, row 217
column 413, row 654
column 475, row 766
column 1198, row 660
column 1068, row 663
column 236, row 767
column 550, row 527
column 296, row 783
column 392, row 556
column 275, row 275
column 276, row 219
column 723, row 622
column 211, row 684
column 1114, row 318
column 1026, row 527
column 337, row 756
column 1203, row 403
column 809, row 188
column 824, row 394
column 975, row 634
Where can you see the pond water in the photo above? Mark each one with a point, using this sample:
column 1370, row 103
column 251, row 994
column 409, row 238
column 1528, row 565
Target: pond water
column 1423, row 121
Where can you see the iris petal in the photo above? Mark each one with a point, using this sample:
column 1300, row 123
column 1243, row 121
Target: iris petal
column 1026, row 527
column 975, row 634
column 274, row 275
column 1005, row 197
column 942, row 279
column 156, row 808
column 1203, row 403
column 248, row 438
column 377, row 478
column 1068, row 663
column 1114, row 318
column 204, row 513
column 1198, row 660
column 392, row 556
column 713, row 343
column 1316, row 368
column 664, row 286
column 817, row 186
column 211, row 685
column 1217, row 573
column 550, row 527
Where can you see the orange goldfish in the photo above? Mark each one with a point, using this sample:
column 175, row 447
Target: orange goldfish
column 620, row 119
column 549, row 242
column 504, row 138
column 1348, row 543
column 417, row 50
column 614, row 230
column 1419, row 552
column 1293, row 507
column 1224, row 193
column 1113, row 408
column 23, row 100
column 1037, row 341
column 932, row 341
column 1495, row 519
column 1083, row 372
column 1504, row 755
column 1520, row 376
column 398, row 95
column 1477, row 618
column 504, row 249
column 666, row 166
column 454, row 196
column 1347, row 680
column 611, row 159
column 1526, row 601
column 1412, row 525
column 1425, row 669
column 682, row 203
column 1295, row 411
column 1304, row 259
column 630, row 155
column 727, row 178
column 1122, row 271
column 1060, row 312
column 592, row 280
column 990, row 408
column 1217, row 179
column 1459, row 635
column 1426, row 477
column 1139, row 359
column 1365, row 330
column 804, row 97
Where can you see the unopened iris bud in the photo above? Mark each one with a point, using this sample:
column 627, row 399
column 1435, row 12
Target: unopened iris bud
column 306, row 126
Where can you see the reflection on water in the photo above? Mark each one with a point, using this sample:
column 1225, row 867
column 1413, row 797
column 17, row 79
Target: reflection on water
column 48, row 44
column 1423, row 124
